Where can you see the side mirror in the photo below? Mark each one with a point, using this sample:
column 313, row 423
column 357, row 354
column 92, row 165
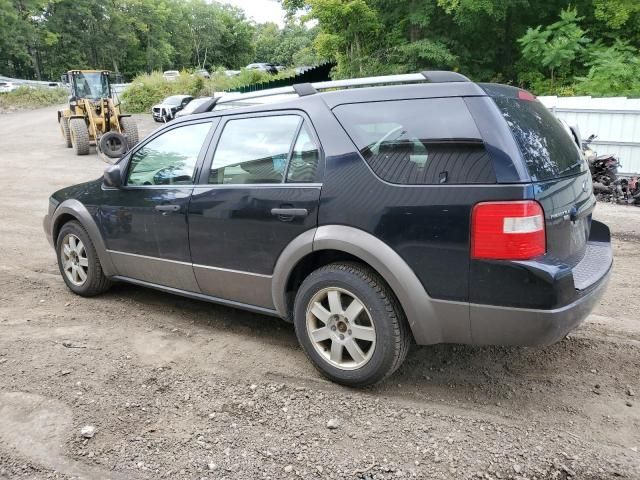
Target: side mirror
column 112, row 176
column 65, row 78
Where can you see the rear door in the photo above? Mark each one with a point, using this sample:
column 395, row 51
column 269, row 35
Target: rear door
column 562, row 183
column 258, row 191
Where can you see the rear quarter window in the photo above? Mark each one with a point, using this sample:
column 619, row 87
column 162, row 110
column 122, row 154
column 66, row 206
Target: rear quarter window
column 418, row 141
column 547, row 148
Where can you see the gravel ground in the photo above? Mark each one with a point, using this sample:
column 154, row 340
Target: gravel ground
column 181, row 389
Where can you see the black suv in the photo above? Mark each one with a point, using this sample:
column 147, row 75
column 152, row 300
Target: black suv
column 428, row 209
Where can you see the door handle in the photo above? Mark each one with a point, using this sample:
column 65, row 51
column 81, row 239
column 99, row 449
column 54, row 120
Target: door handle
column 168, row 208
column 288, row 214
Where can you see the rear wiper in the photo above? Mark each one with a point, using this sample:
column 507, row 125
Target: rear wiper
column 571, row 167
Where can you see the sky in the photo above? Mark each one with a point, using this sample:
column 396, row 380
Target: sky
column 260, row 10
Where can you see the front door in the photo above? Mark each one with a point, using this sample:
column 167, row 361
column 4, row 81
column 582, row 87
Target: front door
column 260, row 190
column 144, row 223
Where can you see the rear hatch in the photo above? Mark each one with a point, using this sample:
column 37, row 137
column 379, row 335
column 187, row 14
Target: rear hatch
column 560, row 175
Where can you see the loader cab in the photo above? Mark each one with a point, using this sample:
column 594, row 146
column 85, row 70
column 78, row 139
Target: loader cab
column 89, row 84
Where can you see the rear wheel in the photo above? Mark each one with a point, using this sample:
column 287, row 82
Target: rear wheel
column 64, row 129
column 79, row 136
column 350, row 324
column 78, row 261
column 130, row 129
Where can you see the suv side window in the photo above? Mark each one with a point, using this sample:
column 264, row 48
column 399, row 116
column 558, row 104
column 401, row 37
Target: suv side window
column 170, row 158
column 303, row 164
column 419, row 141
column 254, row 150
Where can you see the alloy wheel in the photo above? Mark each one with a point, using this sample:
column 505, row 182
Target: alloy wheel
column 341, row 328
column 74, row 260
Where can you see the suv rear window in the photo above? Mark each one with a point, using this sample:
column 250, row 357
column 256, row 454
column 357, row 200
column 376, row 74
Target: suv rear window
column 548, row 150
column 418, row 141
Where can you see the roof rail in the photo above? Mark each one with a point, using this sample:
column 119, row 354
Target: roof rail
column 443, row 76
column 304, row 89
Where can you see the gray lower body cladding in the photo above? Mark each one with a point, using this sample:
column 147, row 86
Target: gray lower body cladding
column 432, row 321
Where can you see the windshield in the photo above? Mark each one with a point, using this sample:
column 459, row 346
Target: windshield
column 92, row 85
column 175, row 100
column 193, row 104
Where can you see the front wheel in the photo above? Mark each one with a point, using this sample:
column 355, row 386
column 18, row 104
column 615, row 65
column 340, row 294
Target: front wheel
column 350, row 325
column 79, row 136
column 78, row 261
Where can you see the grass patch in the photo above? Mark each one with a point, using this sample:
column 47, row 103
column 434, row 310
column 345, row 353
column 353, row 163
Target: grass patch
column 148, row 89
column 27, row 97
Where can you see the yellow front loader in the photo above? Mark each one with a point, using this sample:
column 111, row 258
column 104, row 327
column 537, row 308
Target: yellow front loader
column 93, row 118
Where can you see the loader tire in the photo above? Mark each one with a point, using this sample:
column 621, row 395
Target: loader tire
column 130, row 129
column 66, row 133
column 113, row 144
column 79, row 136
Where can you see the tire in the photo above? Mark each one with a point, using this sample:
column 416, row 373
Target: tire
column 130, row 129
column 79, row 136
column 388, row 343
column 113, row 144
column 95, row 282
column 64, row 129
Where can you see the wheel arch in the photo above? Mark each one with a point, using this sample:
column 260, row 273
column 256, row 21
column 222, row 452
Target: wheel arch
column 74, row 210
column 431, row 321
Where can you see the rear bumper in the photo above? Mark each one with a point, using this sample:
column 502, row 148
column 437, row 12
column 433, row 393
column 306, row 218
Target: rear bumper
column 492, row 325
column 581, row 287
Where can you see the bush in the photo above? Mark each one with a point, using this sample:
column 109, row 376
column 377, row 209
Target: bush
column 148, row 89
column 33, row 97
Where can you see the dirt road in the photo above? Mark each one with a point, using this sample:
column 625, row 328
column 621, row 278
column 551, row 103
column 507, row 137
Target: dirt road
column 182, row 389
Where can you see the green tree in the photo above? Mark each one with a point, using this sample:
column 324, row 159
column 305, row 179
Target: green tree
column 236, row 46
column 280, row 46
column 616, row 13
column 30, row 34
column 266, row 39
column 556, row 46
column 492, row 40
column 349, row 30
column 613, row 70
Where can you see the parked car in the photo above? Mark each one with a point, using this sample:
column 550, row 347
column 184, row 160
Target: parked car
column 171, row 75
column 192, row 105
column 6, row 87
column 430, row 209
column 263, row 67
column 166, row 111
column 203, row 73
column 232, row 73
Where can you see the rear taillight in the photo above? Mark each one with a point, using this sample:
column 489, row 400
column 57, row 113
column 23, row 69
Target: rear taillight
column 507, row 230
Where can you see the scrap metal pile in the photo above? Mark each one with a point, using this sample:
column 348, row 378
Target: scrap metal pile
column 608, row 185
